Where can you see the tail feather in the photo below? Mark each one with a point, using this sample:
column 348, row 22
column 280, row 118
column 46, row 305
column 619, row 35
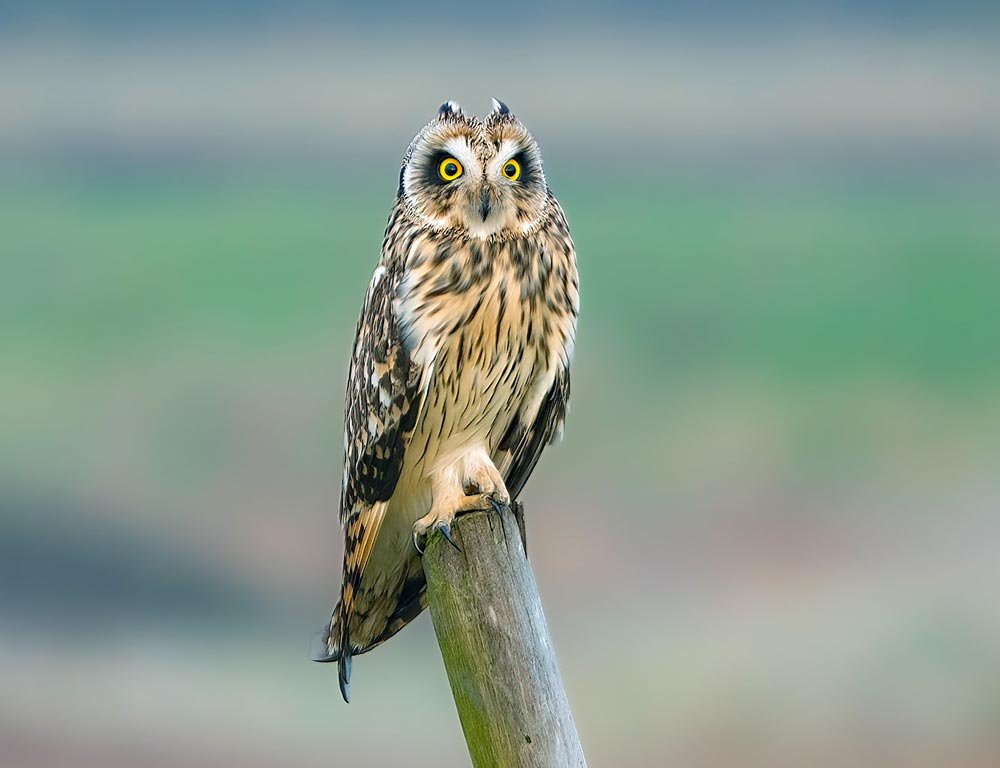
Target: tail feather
column 344, row 669
column 334, row 642
column 339, row 650
column 412, row 600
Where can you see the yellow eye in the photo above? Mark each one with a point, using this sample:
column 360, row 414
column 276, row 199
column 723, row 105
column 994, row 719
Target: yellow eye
column 450, row 169
column 512, row 170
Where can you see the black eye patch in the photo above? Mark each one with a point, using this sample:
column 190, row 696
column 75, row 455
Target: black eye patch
column 430, row 174
column 529, row 168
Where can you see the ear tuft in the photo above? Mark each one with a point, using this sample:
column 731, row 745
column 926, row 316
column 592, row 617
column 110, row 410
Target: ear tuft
column 449, row 110
column 499, row 108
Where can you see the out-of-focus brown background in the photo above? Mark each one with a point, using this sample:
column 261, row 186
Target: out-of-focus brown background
column 772, row 534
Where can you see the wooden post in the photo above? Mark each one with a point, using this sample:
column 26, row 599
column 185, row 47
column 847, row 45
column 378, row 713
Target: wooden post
column 496, row 647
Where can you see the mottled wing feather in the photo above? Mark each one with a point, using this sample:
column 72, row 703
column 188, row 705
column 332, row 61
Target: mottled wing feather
column 383, row 400
column 382, row 404
column 525, row 442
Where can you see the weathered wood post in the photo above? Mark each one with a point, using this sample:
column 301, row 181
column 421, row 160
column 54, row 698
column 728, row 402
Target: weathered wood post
column 496, row 647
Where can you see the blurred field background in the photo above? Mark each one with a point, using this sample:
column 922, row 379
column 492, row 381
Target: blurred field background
column 772, row 534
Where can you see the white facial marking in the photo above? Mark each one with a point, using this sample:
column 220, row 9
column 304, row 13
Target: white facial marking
column 507, row 150
column 459, row 148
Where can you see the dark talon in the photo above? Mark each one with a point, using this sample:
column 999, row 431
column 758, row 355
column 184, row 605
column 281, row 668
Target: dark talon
column 497, row 506
column 498, row 509
column 446, row 532
column 345, row 673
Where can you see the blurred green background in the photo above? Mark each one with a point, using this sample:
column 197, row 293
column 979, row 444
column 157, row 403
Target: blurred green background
column 770, row 537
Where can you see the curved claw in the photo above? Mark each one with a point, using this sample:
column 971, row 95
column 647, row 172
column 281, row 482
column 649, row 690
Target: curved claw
column 498, row 507
column 416, row 542
column 446, row 532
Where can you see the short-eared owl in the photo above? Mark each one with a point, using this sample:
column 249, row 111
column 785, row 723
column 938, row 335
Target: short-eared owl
column 460, row 370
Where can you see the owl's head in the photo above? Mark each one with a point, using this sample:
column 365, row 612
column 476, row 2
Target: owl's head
column 478, row 177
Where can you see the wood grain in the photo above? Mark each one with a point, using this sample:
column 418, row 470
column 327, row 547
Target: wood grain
column 497, row 649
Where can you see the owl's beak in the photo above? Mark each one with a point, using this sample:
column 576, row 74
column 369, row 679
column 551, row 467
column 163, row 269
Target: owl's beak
column 484, row 203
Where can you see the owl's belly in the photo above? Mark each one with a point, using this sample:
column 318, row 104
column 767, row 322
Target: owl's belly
column 471, row 401
column 483, row 374
column 489, row 347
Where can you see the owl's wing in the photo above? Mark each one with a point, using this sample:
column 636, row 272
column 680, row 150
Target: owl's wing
column 524, row 442
column 383, row 399
column 384, row 396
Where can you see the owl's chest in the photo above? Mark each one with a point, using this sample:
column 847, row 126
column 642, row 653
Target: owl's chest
column 482, row 347
column 479, row 335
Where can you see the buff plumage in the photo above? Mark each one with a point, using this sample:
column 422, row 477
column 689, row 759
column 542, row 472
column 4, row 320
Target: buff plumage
column 460, row 370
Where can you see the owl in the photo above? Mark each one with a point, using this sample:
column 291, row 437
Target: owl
column 459, row 376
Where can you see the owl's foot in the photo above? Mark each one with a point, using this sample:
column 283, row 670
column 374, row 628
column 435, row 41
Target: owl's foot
column 441, row 517
column 497, row 505
column 421, row 536
column 471, row 484
column 483, row 477
column 486, row 479
column 474, row 502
